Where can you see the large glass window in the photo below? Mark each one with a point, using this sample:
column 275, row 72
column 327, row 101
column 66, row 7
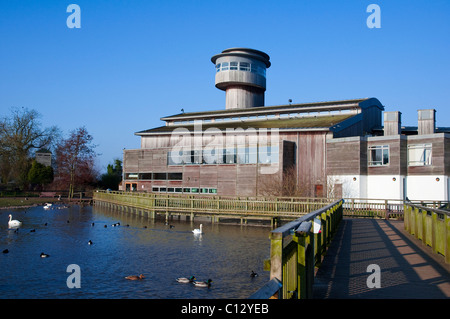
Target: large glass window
column 131, row 176
column 145, row 176
column 379, row 155
column 240, row 155
column 244, row 66
column 229, row 156
column 419, row 155
column 224, row 66
column 268, row 154
column 233, row 65
column 175, row 176
column 159, row 176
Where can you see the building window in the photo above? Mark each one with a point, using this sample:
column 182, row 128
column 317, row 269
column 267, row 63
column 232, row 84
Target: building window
column 233, row 65
column 175, row 176
column 244, row 66
column 131, row 176
column 224, row 66
column 145, row 176
column 419, row 155
column 218, row 67
column 268, row 154
column 240, row 155
column 379, row 155
column 160, row 176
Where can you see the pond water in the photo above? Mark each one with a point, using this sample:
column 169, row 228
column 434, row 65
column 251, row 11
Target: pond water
column 227, row 254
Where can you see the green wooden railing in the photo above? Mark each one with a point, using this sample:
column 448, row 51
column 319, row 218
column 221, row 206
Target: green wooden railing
column 240, row 206
column 430, row 225
column 295, row 252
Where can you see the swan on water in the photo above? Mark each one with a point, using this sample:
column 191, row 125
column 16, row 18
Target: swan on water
column 13, row 222
column 198, row 230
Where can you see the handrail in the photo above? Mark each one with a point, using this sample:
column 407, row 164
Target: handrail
column 269, row 291
column 295, row 250
column 245, row 206
column 431, row 226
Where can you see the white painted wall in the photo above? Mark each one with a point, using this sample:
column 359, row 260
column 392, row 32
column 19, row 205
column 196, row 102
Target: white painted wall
column 353, row 186
column 427, row 187
column 385, row 187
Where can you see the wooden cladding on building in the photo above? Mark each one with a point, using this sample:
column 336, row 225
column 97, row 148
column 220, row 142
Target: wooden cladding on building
column 346, row 156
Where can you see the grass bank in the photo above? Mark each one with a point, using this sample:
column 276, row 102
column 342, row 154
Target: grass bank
column 11, row 202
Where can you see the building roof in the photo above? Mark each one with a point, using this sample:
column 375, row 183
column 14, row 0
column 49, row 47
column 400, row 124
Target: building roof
column 280, row 109
column 313, row 116
column 308, row 122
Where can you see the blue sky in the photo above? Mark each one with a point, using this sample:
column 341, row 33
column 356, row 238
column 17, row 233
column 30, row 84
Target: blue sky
column 133, row 62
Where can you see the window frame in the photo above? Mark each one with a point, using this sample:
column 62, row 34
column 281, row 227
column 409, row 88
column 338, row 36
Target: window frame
column 428, row 161
column 371, row 162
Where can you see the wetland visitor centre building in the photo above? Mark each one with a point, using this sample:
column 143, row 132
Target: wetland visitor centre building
column 349, row 148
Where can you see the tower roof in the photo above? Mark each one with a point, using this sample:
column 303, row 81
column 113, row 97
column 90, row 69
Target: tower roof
column 244, row 52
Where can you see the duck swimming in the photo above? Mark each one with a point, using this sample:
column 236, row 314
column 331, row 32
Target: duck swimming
column 186, row 280
column 253, row 274
column 133, row 277
column 203, row 284
column 44, row 255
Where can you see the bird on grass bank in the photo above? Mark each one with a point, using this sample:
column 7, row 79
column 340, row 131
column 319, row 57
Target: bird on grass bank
column 186, row 280
column 133, row 277
column 203, row 284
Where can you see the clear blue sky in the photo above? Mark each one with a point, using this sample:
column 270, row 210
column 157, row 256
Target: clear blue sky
column 133, row 62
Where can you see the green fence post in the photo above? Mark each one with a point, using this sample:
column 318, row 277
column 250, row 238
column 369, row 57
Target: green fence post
column 447, row 238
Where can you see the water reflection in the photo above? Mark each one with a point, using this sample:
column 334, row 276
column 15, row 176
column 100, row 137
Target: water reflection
column 162, row 252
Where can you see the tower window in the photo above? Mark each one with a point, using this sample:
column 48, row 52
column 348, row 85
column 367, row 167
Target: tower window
column 233, row 65
column 244, row 66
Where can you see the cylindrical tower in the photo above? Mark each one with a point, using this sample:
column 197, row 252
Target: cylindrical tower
column 241, row 73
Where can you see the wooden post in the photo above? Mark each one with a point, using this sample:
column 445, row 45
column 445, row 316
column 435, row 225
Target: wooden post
column 305, row 260
column 276, row 256
column 447, row 238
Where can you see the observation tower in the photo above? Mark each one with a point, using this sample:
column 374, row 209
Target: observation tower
column 241, row 73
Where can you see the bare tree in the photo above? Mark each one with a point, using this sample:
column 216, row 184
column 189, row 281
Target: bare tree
column 20, row 135
column 285, row 184
column 75, row 160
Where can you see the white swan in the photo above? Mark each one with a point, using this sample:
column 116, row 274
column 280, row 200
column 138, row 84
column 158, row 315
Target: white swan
column 198, row 230
column 13, row 223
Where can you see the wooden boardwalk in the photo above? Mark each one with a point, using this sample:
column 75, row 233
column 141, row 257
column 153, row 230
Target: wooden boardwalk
column 408, row 268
